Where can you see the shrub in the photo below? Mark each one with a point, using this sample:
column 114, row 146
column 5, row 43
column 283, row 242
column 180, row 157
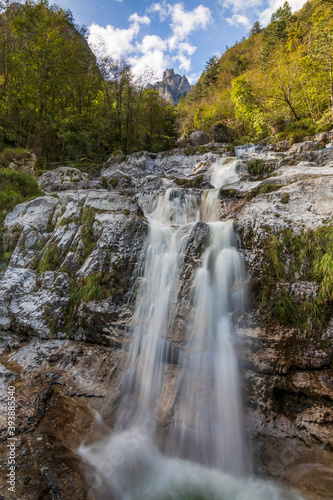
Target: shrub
column 257, row 167
column 16, row 187
column 9, row 154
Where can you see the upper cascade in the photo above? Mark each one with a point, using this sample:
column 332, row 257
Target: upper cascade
column 172, row 86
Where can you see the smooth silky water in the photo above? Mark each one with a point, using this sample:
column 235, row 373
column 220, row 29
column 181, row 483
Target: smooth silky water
column 205, row 454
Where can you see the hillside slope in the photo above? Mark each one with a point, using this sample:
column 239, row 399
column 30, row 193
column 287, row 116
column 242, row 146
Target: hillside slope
column 277, row 81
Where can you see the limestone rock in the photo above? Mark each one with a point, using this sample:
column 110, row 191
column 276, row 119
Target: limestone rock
column 172, row 86
column 182, row 142
column 24, row 162
column 307, row 146
column 280, row 146
column 63, row 178
column 91, row 238
column 53, row 256
column 199, row 138
column 220, row 133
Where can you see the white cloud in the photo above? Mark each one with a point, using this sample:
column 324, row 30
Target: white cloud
column 243, row 10
column 114, row 41
column 184, row 62
column 241, row 5
column 193, row 78
column 273, row 5
column 162, row 8
column 155, row 60
column 135, row 18
column 151, row 43
column 152, row 50
column 184, row 23
column 239, row 20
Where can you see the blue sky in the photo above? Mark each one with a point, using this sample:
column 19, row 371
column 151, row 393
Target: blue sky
column 166, row 34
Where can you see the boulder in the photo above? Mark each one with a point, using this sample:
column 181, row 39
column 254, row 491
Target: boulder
column 323, row 136
column 64, row 178
column 279, row 147
column 199, row 138
column 181, row 142
column 220, row 133
column 25, row 162
column 301, row 147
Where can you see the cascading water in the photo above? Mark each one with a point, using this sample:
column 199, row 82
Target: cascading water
column 205, row 451
column 208, row 427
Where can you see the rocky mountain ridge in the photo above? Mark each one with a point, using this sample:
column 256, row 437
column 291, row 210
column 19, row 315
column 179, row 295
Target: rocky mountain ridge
column 67, row 299
column 172, row 86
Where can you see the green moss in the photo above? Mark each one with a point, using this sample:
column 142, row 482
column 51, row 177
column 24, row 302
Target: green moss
column 15, row 187
column 126, row 212
column 50, row 260
column 297, row 131
column 65, row 221
column 189, row 183
column 310, row 254
column 285, row 198
column 257, row 167
column 264, row 189
column 88, row 239
column 104, row 183
column 230, row 193
column 113, row 182
column 10, row 154
column 87, row 289
column 97, row 286
column 191, row 150
column 50, row 223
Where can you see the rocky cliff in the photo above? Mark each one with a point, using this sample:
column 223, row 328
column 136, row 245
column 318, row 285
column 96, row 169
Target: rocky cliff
column 172, row 86
column 67, row 298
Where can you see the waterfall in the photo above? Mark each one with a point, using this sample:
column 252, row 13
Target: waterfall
column 208, row 427
column 169, row 228
column 204, row 447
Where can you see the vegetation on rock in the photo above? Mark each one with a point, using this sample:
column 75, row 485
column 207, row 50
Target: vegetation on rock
column 15, row 187
column 291, row 258
column 277, row 81
column 59, row 101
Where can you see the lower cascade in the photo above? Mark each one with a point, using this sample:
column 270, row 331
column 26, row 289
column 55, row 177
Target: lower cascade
column 202, row 454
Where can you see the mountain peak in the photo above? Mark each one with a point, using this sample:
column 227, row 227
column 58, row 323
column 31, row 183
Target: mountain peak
column 172, row 86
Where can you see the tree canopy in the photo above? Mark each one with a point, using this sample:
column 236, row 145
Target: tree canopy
column 281, row 74
column 58, row 100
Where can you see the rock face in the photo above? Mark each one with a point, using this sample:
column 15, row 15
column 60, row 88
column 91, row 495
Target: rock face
column 68, row 294
column 172, row 86
column 220, row 133
column 68, row 245
column 62, row 179
column 25, row 162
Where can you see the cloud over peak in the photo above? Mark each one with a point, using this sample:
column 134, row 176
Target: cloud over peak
column 158, row 52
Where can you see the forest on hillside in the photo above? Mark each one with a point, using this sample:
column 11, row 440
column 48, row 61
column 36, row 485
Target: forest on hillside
column 277, row 81
column 59, row 101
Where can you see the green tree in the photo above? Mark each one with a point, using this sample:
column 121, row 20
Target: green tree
column 256, row 29
column 321, row 52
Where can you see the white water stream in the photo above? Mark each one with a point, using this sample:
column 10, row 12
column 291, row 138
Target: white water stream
column 205, row 454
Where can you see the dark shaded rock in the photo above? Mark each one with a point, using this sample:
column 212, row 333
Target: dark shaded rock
column 198, row 138
column 220, row 133
column 25, row 162
column 182, row 142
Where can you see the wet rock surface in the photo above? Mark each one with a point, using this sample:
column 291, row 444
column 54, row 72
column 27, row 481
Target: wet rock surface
column 62, row 342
